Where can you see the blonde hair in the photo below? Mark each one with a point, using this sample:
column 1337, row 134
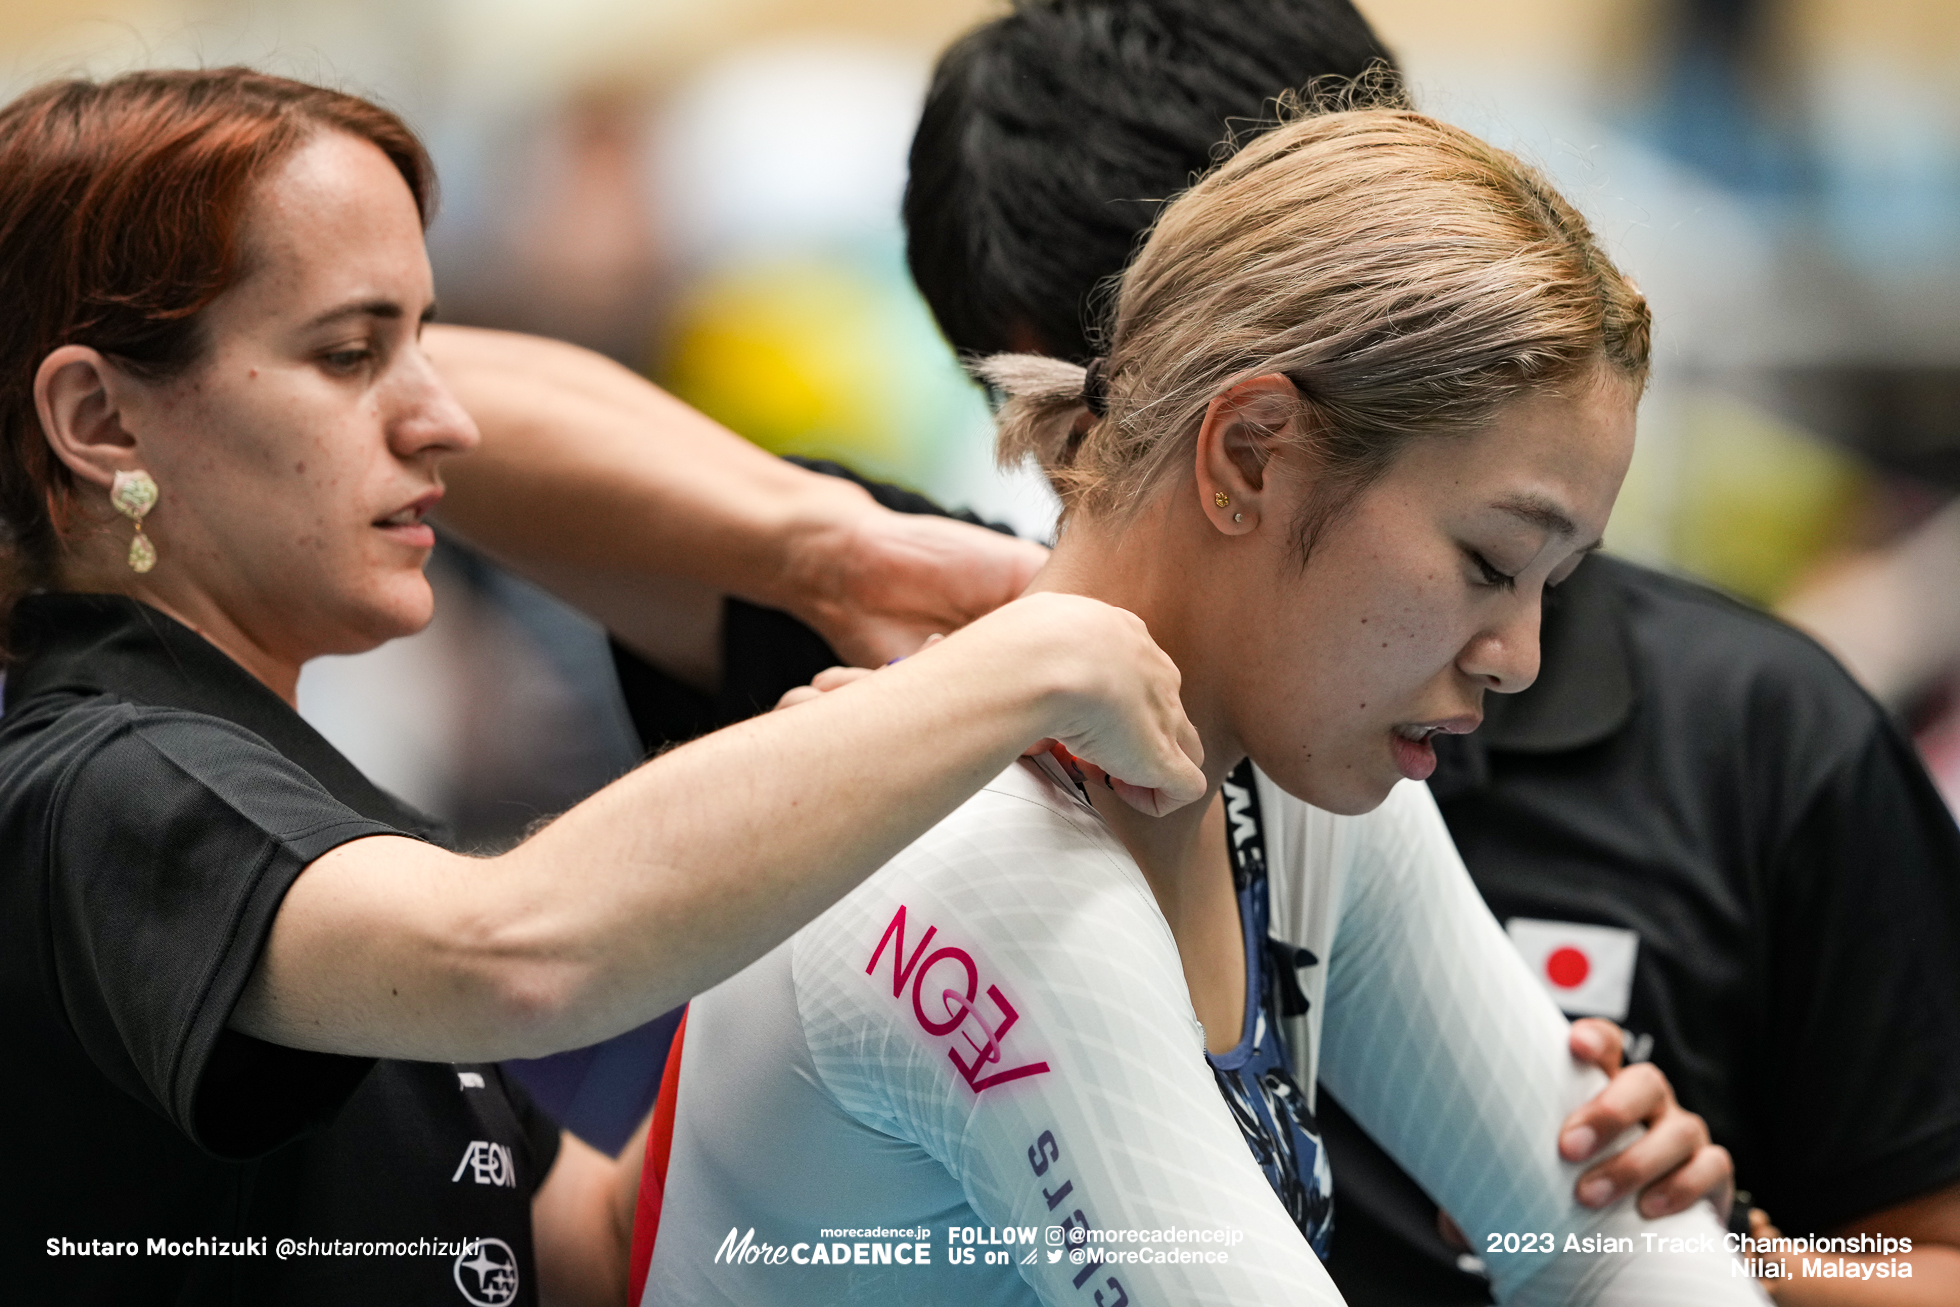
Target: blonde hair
column 1405, row 276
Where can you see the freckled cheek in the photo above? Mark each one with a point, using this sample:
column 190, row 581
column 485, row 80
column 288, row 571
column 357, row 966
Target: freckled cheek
column 1396, row 652
column 314, row 468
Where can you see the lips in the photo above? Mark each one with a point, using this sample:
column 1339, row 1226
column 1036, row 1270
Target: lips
column 406, row 523
column 1410, row 743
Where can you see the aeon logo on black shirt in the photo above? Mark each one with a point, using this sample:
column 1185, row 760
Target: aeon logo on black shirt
column 963, row 1016
column 489, row 1163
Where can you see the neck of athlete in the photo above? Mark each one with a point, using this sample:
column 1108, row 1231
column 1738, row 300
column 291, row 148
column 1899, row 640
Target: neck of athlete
column 1154, row 565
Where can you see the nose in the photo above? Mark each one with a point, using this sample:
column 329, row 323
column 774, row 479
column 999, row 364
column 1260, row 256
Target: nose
column 1503, row 656
column 427, row 419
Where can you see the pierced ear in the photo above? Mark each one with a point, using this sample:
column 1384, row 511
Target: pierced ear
column 79, row 395
column 1236, row 442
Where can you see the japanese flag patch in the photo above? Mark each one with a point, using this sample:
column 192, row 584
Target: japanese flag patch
column 1588, row 970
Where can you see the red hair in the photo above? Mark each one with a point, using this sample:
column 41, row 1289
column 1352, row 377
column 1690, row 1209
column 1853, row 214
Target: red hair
column 120, row 207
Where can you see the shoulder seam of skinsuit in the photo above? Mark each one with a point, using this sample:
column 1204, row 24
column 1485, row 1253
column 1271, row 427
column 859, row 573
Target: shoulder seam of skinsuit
column 1067, row 814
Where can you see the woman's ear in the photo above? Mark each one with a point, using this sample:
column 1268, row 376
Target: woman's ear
column 1236, row 441
column 80, row 396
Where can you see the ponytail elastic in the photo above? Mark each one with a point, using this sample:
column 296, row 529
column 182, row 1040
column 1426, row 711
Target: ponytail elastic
column 1095, row 386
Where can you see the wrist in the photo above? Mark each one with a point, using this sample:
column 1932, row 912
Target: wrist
column 1009, row 669
column 817, row 531
column 1035, row 656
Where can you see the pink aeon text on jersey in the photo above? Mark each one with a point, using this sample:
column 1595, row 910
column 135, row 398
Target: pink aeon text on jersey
column 954, row 964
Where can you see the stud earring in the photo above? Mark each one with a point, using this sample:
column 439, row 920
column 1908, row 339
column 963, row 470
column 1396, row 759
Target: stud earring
column 1238, row 517
column 1220, row 498
column 134, row 494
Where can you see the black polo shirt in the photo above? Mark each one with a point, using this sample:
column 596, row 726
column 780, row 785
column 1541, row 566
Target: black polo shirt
column 1699, row 774
column 156, row 802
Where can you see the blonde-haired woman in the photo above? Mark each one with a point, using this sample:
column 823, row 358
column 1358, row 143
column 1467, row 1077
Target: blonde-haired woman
column 1370, row 389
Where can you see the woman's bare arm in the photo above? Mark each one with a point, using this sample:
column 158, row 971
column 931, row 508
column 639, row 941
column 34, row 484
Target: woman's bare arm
column 632, row 505
column 1931, row 1222
column 582, row 1222
column 690, row 867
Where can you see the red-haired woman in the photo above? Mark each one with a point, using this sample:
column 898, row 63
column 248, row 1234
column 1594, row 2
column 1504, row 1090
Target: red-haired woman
column 249, row 998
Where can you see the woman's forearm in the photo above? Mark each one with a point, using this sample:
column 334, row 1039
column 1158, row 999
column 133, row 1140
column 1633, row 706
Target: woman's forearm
column 1930, row 1223
column 1869, row 1280
column 621, row 499
column 613, row 493
column 684, row 871
column 726, row 846
column 583, row 462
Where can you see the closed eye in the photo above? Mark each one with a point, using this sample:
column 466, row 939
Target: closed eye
column 1491, row 576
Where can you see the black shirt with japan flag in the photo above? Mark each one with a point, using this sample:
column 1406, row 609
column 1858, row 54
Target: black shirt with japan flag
column 156, row 803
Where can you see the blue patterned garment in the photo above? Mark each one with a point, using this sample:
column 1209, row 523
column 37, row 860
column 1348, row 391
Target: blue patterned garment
column 1256, row 1076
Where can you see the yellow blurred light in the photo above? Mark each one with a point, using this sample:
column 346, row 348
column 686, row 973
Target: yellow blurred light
column 1759, row 502
column 820, row 357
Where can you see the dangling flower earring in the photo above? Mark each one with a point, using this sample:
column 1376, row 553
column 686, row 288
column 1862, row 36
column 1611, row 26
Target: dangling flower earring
column 134, row 494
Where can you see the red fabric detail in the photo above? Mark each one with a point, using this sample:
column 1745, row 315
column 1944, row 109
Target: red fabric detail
column 653, row 1171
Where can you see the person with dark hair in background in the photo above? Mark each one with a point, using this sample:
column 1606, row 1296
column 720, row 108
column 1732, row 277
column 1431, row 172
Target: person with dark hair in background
column 1052, row 137
column 1694, row 800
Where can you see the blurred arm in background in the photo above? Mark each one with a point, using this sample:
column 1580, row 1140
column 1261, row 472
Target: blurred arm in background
column 1931, row 1221
column 582, row 1221
column 1892, row 616
column 629, row 504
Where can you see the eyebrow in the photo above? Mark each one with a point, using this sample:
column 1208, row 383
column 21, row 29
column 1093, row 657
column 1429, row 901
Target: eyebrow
column 1543, row 514
column 374, row 308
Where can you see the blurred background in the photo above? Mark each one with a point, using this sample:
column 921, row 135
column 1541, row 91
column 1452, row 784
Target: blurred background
column 709, row 194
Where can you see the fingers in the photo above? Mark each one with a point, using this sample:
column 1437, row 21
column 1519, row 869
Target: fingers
column 1183, row 756
column 1668, row 1143
column 1179, row 779
column 1150, row 802
column 1709, row 1174
column 1146, row 800
column 830, row 678
column 1674, row 1164
column 836, row 678
column 1123, row 713
column 801, row 694
column 1599, row 1042
column 1193, row 750
column 1638, row 1093
column 900, row 645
